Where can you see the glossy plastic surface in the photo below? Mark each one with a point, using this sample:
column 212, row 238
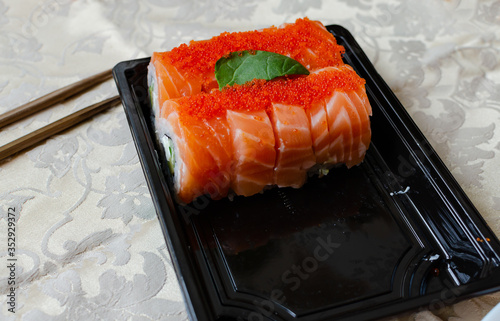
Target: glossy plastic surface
column 395, row 233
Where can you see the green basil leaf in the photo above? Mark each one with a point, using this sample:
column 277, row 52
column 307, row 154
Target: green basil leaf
column 240, row 67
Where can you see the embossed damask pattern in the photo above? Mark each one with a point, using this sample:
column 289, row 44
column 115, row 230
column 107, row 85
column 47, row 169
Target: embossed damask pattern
column 89, row 245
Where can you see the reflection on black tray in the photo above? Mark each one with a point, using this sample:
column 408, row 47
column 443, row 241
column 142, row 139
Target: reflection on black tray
column 338, row 242
column 392, row 234
column 313, row 249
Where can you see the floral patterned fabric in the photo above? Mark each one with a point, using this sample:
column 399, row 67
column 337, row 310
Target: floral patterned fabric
column 88, row 242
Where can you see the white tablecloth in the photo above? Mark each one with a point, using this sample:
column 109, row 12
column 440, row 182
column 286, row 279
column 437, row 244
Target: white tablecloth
column 88, row 242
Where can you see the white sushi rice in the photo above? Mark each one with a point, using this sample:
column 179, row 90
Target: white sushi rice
column 160, row 124
column 153, row 90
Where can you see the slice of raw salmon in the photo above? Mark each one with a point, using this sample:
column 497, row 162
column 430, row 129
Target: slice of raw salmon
column 201, row 148
column 294, row 153
column 349, row 128
column 170, row 83
column 361, row 92
column 347, row 116
column 339, row 128
column 185, row 176
column 176, row 84
column 253, row 151
column 218, row 141
column 320, row 136
column 363, row 137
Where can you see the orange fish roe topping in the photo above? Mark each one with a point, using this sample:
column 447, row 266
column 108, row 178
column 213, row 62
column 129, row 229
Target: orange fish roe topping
column 294, row 40
column 260, row 94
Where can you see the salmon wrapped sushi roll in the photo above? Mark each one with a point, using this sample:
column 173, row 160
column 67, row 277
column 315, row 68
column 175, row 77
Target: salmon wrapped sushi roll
column 189, row 69
column 265, row 133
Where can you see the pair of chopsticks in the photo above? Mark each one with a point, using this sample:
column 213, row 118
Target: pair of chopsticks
column 48, row 100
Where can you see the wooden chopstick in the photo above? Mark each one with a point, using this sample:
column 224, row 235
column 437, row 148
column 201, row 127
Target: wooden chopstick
column 52, row 98
column 35, row 137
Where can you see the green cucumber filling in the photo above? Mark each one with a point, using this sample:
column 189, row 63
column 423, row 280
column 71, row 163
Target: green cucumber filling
column 168, row 144
column 150, row 90
column 323, row 172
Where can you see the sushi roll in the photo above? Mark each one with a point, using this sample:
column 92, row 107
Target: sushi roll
column 242, row 138
column 265, row 133
column 189, row 69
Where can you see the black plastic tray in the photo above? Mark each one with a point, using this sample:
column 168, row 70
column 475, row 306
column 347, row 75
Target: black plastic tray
column 395, row 233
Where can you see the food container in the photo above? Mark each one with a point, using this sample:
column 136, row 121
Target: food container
column 395, row 233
